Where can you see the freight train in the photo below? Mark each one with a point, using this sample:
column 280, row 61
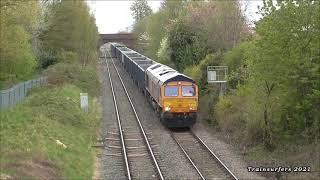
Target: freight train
column 173, row 96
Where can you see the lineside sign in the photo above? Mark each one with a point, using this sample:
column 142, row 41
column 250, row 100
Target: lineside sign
column 217, row 74
column 84, row 102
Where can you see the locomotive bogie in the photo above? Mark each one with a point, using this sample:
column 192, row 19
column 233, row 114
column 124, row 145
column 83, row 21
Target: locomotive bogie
column 178, row 119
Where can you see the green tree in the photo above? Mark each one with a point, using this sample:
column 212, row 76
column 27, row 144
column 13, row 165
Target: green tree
column 203, row 28
column 288, row 65
column 282, row 66
column 18, row 21
column 152, row 30
column 164, row 52
column 72, row 29
column 173, row 8
column 185, row 46
column 140, row 9
column 218, row 24
column 236, row 60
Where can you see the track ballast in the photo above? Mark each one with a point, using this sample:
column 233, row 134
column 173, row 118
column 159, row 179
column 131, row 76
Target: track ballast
column 138, row 156
column 206, row 162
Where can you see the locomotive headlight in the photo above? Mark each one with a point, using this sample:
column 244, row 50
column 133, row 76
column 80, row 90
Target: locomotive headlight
column 167, row 108
column 192, row 107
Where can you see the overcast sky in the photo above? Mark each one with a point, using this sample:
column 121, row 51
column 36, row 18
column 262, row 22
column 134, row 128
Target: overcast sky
column 115, row 16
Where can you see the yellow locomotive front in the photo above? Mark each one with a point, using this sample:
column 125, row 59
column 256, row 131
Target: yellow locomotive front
column 179, row 102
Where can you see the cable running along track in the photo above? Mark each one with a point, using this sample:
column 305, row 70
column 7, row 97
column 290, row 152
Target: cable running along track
column 122, row 131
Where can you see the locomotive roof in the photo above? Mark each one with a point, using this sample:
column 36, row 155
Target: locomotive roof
column 166, row 74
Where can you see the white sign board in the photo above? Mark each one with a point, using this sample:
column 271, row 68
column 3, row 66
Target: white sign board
column 84, row 101
column 217, row 74
column 212, row 75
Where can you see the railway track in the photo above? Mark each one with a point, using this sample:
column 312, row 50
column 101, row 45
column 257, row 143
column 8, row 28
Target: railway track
column 131, row 140
column 206, row 162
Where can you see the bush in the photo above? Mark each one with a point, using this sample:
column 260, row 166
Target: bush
column 236, row 59
column 185, row 46
column 67, row 56
column 194, row 72
column 199, row 72
column 29, row 132
column 46, row 59
column 163, row 53
column 229, row 113
column 235, row 115
column 83, row 77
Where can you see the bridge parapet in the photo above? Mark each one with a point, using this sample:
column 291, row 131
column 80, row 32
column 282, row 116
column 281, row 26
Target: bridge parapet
column 127, row 39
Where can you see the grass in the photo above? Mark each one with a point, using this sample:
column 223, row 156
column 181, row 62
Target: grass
column 85, row 78
column 11, row 81
column 288, row 154
column 29, row 132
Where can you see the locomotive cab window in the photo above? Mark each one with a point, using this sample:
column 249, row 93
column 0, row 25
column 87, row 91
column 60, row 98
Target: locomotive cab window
column 171, row 91
column 188, row 91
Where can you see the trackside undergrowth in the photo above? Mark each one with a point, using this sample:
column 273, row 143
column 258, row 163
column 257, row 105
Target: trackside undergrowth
column 48, row 136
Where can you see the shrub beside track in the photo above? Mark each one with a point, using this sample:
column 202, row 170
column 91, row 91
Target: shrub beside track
column 32, row 133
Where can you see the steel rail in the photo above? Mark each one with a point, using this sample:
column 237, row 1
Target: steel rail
column 139, row 123
column 188, row 157
column 214, row 155
column 119, row 124
column 208, row 149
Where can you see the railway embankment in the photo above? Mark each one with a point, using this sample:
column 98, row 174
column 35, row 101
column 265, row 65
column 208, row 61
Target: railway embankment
column 48, row 136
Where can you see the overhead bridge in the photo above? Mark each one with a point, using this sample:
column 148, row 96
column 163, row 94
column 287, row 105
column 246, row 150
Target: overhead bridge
column 127, row 39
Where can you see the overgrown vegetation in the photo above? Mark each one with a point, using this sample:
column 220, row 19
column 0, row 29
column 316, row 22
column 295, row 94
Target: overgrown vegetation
column 280, row 72
column 36, row 34
column 18, row 23
column 30, row 131
column 29, row 134
column 71, row 33
column 273, row 96
column 48, row 136
column 84, row 78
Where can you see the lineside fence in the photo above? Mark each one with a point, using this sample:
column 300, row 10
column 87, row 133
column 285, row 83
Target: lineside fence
column 10, row 97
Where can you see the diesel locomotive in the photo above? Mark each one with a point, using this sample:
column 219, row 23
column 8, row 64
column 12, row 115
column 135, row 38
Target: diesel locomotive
column 173, row 96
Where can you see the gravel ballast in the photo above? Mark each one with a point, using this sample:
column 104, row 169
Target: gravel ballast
column 108, row 167
column 226, row 154
column 140, row 162
column 172, row 161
